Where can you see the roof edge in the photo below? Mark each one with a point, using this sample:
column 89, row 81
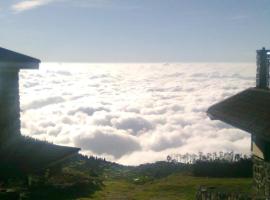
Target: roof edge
column 20, row 54
column 18, row 65
column 208, row 111
column 12, row 59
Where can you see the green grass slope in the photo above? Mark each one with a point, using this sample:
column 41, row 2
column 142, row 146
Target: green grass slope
column 173, row 187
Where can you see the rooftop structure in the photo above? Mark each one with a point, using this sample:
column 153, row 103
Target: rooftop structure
column 11, row 60
column 25, row 154
column 263, row 61
column 10, row 65
column 28, row 155
column 250, row 111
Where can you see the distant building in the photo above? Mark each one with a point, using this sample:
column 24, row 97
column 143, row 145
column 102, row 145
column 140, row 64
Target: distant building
column 16, row 151
column 249, row 110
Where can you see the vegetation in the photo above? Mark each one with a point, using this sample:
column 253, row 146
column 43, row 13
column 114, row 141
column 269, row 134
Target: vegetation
column 215, row 156
column 77, row 177
column 224, row 164
column 174, row 187
column 83, row 177
column 241, row 168
column 152, row 171
column 168, row 181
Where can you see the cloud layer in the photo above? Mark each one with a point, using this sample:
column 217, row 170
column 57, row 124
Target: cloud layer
column 133, row 113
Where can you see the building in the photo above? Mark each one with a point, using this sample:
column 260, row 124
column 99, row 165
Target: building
column 10, row 65
column 249, row 110
column 16, row 151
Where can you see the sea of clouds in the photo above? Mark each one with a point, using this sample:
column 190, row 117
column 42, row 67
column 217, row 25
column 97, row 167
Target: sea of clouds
column 133, row 113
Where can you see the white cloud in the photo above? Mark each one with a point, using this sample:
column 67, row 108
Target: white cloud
column 39, row 103
column 133, row 113
column 24, row 5
column 134, row 124
column 87, row 110
column 108, row 141
column 29, row 4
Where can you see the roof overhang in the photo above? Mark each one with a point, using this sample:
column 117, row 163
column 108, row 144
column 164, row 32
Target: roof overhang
column 29, row 155
column 18, row 65
column 248, row 110
column 10, row 60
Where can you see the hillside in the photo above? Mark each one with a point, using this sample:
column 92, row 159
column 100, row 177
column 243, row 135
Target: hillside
column 87, row 178
column 174, row 187
column 166, row 180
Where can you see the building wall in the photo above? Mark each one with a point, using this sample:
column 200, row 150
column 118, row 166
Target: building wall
column 258, row 147
column 9, row 105
column 262, row 76
column 261, row 178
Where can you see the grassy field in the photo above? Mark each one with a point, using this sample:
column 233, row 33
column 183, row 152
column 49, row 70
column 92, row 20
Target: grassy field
column 176, row 186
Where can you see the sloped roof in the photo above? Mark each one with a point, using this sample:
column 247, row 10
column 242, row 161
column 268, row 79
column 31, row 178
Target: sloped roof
column 30, row 155
column 10, row 59
column 248, row 110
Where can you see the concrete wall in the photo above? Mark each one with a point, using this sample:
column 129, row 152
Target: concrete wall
column 9, row 105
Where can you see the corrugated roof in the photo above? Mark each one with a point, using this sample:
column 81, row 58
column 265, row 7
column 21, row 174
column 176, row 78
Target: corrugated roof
column 248, row 110
column 11, row 59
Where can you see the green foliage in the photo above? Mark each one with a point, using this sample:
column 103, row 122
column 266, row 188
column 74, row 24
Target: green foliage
column 241, row 168
column 147, row 172
column 173, row 187
column 76, row 177
column 160, row 169
column 93, row 178
column 79, row 176
column 140, row 180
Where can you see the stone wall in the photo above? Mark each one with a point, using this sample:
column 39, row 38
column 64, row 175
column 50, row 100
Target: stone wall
column 213, row 193
column 261, row 178
column 9, row 105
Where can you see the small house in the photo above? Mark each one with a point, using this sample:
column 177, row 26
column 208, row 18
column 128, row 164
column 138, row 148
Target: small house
column 249, row 110
column 16, row 151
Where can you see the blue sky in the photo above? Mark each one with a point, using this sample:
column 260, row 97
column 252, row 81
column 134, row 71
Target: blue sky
column 136, row 30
